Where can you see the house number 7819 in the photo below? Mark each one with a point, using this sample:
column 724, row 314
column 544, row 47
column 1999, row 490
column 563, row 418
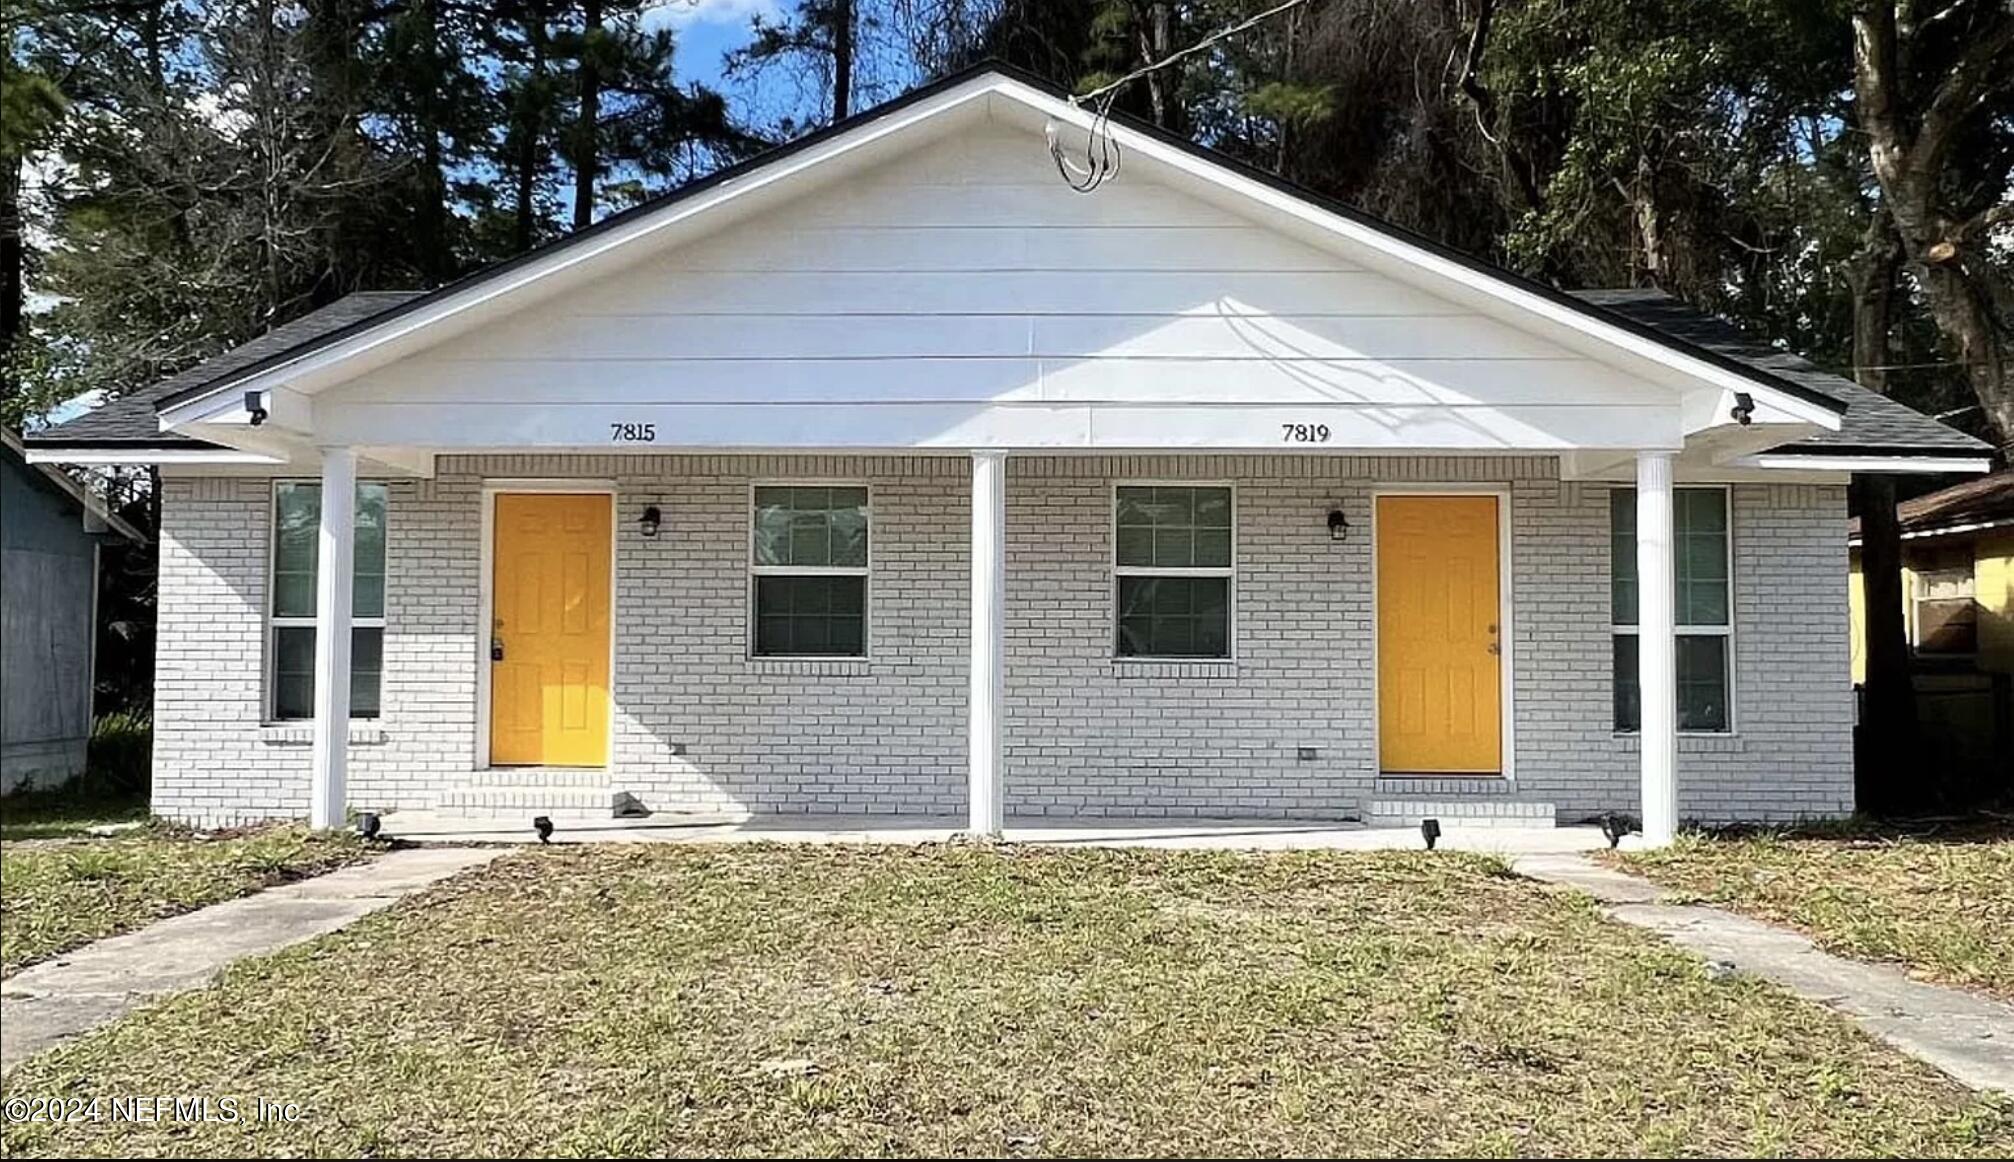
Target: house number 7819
column 1304, row 433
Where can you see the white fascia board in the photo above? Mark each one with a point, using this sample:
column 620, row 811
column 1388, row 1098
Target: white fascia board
column 1405, row 257
column 1809, row 461
column 487, row 298
column 119, row 456
column 1982, row 526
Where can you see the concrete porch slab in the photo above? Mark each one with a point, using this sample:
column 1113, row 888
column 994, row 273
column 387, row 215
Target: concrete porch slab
column 1225, row 834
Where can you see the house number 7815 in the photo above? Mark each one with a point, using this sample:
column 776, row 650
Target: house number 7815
column 1304, row 433
column 632, row 433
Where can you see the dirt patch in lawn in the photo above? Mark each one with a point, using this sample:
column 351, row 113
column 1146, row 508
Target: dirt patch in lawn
column 958, row 1000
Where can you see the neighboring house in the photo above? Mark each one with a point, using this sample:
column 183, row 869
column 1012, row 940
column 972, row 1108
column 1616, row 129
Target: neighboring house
column 885, row 473
column 1958, row 612
column 1957, row 578
column 51, row 530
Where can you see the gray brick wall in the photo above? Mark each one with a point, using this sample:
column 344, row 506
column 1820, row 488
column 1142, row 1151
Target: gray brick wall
column 701, row 726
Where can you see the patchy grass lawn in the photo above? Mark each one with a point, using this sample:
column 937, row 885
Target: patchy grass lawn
column 1941, row 902
column 959, row 1000
column 60, row 887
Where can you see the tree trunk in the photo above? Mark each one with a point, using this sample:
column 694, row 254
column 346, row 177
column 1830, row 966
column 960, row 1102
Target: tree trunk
column 587, row 131
column 438, row 258
column 1887, row 735
column 842, row 58
column 12, row 269
column 1910, row 130
column 530, row 128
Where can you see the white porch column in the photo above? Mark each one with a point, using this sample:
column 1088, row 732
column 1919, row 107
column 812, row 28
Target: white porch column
column 1657, row 661
column 989, row 638
column 334, row 564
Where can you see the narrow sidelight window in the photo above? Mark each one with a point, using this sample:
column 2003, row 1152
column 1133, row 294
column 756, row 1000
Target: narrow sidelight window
column 808, row 589
column 290, row 640
column 1173, row 558
column 1704, row 613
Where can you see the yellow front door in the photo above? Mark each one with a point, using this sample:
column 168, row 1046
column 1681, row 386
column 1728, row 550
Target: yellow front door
column 1439, row 635
column 549, row 638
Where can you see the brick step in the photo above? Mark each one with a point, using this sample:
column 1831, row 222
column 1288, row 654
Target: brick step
column 519, row 800
column 537, row 777
column 1461, row 813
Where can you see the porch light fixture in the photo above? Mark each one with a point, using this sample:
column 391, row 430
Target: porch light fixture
column 1339, row 525
column 1430, row 830
column 648, row 524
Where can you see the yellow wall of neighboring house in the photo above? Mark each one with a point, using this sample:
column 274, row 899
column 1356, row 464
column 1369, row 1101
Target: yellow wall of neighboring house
column 1992, row 592
column 1993, row 582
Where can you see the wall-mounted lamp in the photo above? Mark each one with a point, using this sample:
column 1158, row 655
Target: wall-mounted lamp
column 255, row 407
column 1743, row 412
column 1339, row 525
column 649, row 522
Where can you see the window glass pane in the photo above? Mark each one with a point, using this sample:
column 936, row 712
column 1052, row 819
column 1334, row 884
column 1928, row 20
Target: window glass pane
column 818, row 615
column 297, row 515
column 367, row 597
column 294, row 671
column 1699, row 517
column 1173, row 617
column 1699, row 525
column 367, row 663
column 297, row 512
column 1173, row 527
column 1622, row 555
column 772, row 526
column 1628, row 696
column 811, row 526
column 1702, row 682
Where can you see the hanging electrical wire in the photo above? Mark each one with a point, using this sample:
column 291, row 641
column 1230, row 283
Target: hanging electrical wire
column 1101, row 152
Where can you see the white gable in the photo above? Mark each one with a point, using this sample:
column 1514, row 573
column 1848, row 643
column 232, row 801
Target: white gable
column 933, row 283
column 972, row 275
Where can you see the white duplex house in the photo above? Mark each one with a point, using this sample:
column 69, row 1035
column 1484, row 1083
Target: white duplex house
column 889, row 473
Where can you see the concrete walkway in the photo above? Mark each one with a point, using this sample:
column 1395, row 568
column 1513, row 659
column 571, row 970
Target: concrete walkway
column 49, row 1003
column 1969, row 1036
column 427, row 826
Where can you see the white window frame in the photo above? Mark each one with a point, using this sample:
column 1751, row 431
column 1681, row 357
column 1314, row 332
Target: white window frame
column 1119, row 571
column 1918, row 578
column 275, row 622
column 1679, row 631
column 866, row 572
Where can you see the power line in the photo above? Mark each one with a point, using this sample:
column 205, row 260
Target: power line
column 1101, row 152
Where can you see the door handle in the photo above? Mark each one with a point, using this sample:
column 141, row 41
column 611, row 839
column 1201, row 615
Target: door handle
column 496, row 649
column 1495, row 649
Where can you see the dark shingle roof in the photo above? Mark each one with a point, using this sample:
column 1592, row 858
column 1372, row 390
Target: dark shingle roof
column 1982, row 500
column 1873, row 423
column 130, row 419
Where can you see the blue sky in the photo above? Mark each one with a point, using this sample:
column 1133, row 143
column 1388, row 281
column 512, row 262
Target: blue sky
column 706, row 31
